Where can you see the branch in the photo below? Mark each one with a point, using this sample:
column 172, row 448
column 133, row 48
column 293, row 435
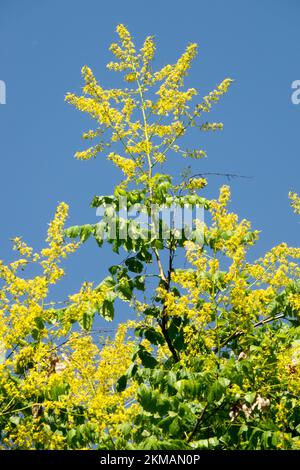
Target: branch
column 164, row 330
column 199, row 420
column 160, row 267
column 171, row 258
column 164, row 317
column 267, row 320
column 227, row 175
column 259, row 323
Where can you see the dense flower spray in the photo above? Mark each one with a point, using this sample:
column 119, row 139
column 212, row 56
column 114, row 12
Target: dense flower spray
column 211, row 359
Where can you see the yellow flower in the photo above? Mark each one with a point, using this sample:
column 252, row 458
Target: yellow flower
column 295, row 202
column 125, row 164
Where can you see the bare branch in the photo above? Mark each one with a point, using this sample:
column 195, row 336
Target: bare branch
column 159, row 263
column 229, row 176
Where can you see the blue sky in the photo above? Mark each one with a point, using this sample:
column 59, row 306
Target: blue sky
column 43, row 45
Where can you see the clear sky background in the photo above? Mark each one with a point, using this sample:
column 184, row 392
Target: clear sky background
column 43, row 45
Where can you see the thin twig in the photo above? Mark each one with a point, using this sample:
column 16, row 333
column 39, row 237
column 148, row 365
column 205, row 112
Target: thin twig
column 164, row 317
column 227, row 175
column 199, row 420
column 259, row 323
column 159, row 263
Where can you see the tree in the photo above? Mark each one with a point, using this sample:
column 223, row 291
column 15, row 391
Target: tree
column 215, row 360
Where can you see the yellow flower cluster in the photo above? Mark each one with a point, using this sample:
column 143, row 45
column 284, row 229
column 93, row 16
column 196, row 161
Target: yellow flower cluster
column 237, row 292
column 294, row 300
column 127, row 165
column 196, row 183
column 22, row 299
column 39, row 367
column 214, row 96
column 22, row 247
column 171, row 99
column 212, row 126
column 278, row 266
column 91, row 372
column 89, row 153
column 289, row 368
column 147, row 52
column 87, row 301
column 125, row 52
column 127, row 116
column 173, row 305
column 295, row 201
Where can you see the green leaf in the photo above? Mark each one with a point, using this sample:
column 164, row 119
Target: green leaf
column 189, row 388
column 71, row 436
column 85, row 232
column 224, row 382
column 35, row 334
column 107, row 311
column 216, row 392
column 15, row 420
column 152, row 311
column 209, row 443
column 39, row 323
column 174, row 428
column 132, row 370
column 146, row 358
column 134, row 265
column 175, row 291
column 114, row 269
column 124, row 291
column 147, row 398
column 250, row 397
column 58, row 390
column 87, row 320
column 144, row 256
column 108, row 282
column 297, row 428
column 139, row 283
column 155, row 337
column 72, row 232
column 122, row 383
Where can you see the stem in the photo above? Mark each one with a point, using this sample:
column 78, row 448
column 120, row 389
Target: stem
column 199, row 420
column 267, row 320
column 164, row 318
column 140, row 91
column 180, row 133
column 171, row 258
column 259, row 323
column 166, row 280
column 164, row 330
column 160, row 266
column 118, row 134
column 215, row 307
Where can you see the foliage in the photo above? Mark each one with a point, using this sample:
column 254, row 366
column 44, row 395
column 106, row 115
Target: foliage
column 215, row 362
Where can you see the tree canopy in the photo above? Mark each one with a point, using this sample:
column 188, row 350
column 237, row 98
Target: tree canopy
column 212, row 358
